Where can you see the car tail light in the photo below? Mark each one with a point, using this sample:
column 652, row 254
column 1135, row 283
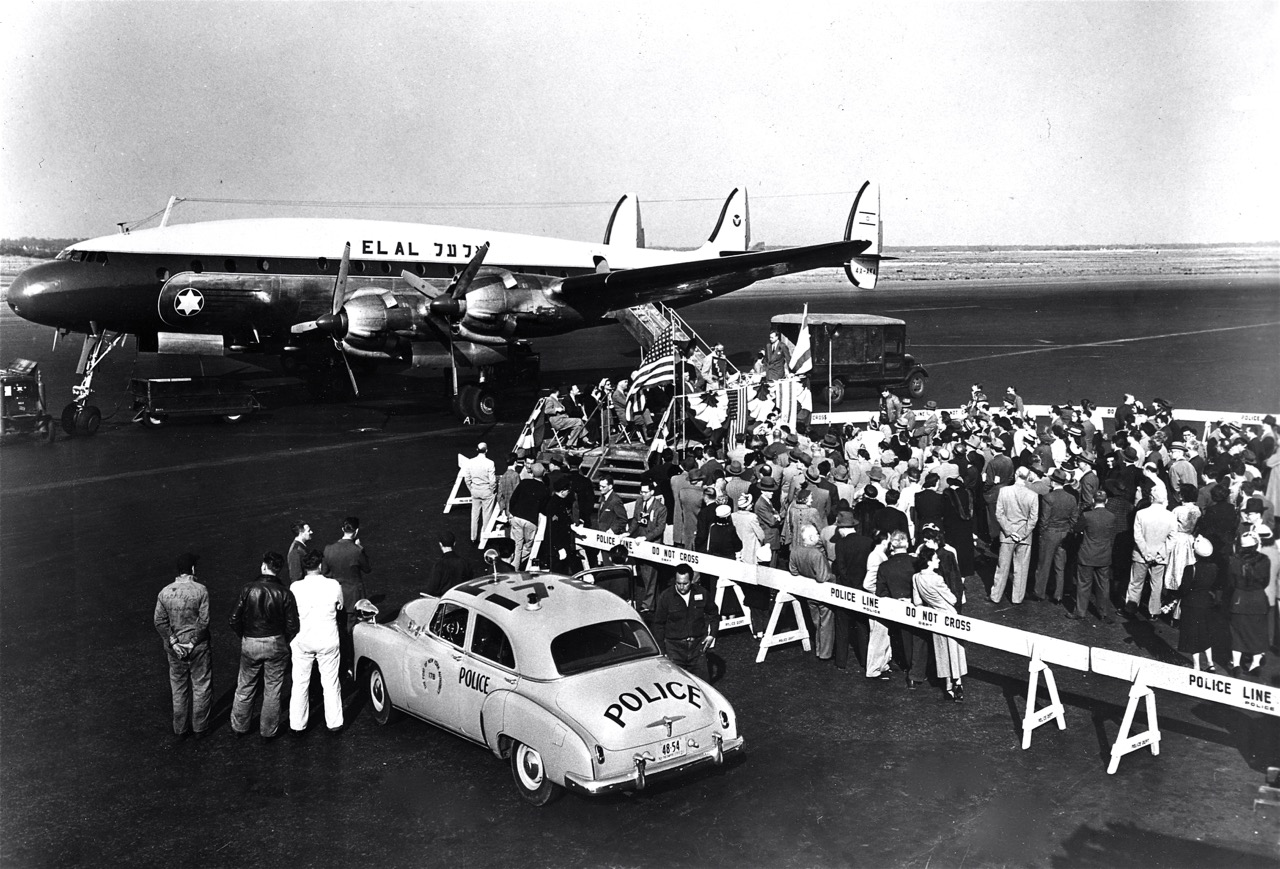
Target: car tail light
column 600, row 754
column 724, row 719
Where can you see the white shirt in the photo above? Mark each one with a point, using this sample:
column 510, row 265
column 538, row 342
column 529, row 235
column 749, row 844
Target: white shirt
column 319, row 599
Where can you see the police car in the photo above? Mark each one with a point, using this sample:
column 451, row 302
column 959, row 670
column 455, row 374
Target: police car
column 555, row 674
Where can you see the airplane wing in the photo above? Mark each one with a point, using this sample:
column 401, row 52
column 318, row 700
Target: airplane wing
column 700, row 279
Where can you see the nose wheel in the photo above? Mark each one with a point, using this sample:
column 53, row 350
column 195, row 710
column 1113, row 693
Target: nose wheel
column 80, row 417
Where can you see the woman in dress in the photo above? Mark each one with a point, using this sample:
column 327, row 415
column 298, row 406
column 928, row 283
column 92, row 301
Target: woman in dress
column 957, row 524
column 1250, row 574
column 1198, row 601
column 931, row 591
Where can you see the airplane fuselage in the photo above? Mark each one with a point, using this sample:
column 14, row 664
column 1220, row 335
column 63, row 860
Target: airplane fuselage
column 250, row 280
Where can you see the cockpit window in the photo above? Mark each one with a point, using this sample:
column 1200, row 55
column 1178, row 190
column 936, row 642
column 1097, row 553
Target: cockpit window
column 594, row 646
column 64, row 254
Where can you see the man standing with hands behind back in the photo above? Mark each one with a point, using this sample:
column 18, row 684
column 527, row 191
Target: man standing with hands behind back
column 182, row 620
column 319, row 600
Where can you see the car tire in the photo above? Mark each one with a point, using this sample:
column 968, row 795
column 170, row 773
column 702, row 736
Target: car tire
column 837, row 391
column 380, row 697
column 915, row 385
column 531, row 776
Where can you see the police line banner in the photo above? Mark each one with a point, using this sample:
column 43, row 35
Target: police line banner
column 961, row 627
column 1240, row 693
column 1205, row 416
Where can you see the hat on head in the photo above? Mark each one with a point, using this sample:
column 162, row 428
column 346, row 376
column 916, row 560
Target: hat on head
column 974, row 442
column 844, row 519
column 931, row 405
column 1130, row 454
column 744, row 501
column 830, row 440
column 767, row 481
column 723, row 510
column 1203, row 548
column 1249, row 540
column 906, row 402
column 1059, row 476
column 840, row 474
column 735, row 468
column 1254, row 505
column 1265, row 534
column 1177, row 447
column 1269, row 419
column 1075, row 431
column 876, row 472
column 793, row 440
column 812, row 474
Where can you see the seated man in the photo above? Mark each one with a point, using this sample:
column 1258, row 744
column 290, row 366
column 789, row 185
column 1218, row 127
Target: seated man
column 568, row 427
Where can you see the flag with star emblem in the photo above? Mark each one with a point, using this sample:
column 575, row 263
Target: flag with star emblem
column 802, row 355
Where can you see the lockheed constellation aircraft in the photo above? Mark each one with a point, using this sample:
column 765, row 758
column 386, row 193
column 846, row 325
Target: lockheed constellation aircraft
column 429, row 296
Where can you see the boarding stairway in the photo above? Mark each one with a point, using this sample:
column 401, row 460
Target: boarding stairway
column 646, row 322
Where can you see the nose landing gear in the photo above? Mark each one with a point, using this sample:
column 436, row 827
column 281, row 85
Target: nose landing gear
column 80, row 417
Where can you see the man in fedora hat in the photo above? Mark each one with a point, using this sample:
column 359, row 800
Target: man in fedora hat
column 1059, row 511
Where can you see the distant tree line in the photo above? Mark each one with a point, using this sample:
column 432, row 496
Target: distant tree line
column 37, row 247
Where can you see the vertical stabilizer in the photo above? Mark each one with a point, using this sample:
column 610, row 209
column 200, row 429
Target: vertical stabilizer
column 625, row 228
column 733, row 230
column 864, row 224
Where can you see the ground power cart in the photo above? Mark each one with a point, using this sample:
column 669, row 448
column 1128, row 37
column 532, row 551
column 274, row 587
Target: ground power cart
column 24, row 407
column 157, row 400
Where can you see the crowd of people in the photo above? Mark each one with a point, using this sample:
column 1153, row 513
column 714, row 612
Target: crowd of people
column 1141, row 516
column 1138, row 515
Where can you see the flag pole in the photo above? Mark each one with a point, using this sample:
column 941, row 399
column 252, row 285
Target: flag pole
column 831, row 337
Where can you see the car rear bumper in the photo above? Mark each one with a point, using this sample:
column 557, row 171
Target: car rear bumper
column 639, row 778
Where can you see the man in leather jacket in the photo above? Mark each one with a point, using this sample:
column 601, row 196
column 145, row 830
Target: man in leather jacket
column 265, row 619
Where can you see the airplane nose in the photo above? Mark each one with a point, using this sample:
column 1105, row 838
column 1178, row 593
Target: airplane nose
column 32, row 293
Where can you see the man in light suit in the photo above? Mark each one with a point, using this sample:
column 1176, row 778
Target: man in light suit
column 1152, row 528
column 482, row 483
column 1017, row 511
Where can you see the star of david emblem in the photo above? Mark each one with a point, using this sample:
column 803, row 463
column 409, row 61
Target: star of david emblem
column 189, row 302
column 737, row 220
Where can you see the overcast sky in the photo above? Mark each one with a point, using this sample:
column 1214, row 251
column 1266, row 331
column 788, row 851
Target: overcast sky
column 996, row 123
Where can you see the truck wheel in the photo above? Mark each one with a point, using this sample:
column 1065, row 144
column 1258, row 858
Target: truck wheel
column 46, row 432
column 88, row 420
column 482, row 406
column 69, row 419
column 379, row 698
column 915, row 385
column 531, row 776
column 837, row 391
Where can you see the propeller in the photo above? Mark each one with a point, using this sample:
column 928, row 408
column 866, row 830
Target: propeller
column 334, row 323
column 451, row 303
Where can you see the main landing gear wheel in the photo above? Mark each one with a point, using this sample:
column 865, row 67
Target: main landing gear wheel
column 482, row 406
column 837, row 391
column 915, row 385
column 379, row 699
column 531, row 776
column 88, row 420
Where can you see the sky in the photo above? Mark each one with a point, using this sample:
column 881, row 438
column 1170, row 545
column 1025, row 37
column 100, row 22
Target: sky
column 983, row 123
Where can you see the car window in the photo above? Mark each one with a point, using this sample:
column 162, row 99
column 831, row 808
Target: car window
column 450, row 623
column 593, row 646
column 488, row 641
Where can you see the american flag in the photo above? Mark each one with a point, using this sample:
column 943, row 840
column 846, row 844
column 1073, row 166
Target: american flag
column 657, row 367
column 737, row 411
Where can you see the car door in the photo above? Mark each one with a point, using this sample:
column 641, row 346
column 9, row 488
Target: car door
column 433, row 664
column 488, row 666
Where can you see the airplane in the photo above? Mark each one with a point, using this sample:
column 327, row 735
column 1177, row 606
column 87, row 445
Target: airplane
column 433, row 297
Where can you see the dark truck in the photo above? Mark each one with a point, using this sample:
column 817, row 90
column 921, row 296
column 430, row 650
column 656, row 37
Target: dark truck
column 857, row 350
